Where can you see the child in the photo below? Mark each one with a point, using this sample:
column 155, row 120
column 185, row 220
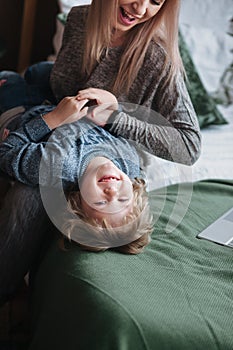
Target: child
column 73, row 164
column 80, row 156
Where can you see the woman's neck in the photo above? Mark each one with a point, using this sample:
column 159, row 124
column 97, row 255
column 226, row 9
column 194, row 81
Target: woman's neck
column 118, row 38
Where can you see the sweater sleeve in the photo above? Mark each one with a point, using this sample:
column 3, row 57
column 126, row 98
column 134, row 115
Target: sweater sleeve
column 171, row 130
column 20, row 153
column 23, row 149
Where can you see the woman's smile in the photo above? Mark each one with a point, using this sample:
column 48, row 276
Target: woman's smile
column 131, row 13
column 125, row 17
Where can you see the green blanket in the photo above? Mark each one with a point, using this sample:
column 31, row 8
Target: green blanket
column 178, row 294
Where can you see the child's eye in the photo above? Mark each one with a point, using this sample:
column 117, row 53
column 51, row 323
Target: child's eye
column 100, row 203
column 123, row 200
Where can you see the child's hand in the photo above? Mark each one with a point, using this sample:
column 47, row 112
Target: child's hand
column 104, row 104
column 67, row 111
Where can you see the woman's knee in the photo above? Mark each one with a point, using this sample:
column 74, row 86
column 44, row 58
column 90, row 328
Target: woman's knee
column 12, row 90
column 39, row 73
column 37, row 78
column 24, row 226
column 10, row 80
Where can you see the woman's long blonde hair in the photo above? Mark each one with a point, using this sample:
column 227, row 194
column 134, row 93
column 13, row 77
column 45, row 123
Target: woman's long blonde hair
column 162, row 28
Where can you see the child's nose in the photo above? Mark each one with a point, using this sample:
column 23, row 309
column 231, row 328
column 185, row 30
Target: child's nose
column 110, row 191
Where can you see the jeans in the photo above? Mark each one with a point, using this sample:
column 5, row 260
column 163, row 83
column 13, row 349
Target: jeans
column 25, row 233
column 28, row 91
column 24, row 226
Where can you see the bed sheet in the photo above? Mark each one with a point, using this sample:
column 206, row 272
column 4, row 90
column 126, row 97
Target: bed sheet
column 215, row 162
column 178, row 294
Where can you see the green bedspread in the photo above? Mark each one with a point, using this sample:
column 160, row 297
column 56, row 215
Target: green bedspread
column 178, row 294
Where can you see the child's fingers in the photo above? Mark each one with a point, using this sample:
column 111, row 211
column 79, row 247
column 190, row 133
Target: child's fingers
column 76, row 116
column 80, row 103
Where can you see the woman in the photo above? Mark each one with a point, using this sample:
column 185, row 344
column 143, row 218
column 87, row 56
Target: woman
column 124, row 56
column 127, row 51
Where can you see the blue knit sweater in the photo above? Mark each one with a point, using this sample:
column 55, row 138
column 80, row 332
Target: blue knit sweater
column 33, row 154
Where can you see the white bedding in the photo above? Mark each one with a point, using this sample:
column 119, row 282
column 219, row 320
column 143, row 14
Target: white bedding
column 215, row 162
column 204, row 25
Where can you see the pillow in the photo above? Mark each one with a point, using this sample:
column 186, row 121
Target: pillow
column 66, row 5
column 62, row 17
column 204, row 104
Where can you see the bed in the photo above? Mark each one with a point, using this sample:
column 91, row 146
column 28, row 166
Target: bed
column 178, row 294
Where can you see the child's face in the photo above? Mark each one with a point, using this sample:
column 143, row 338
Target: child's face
column 107, row 192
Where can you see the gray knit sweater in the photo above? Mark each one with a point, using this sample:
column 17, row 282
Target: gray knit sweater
column 165, row 125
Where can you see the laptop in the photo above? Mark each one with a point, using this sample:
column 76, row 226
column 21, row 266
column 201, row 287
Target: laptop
column 221, row 230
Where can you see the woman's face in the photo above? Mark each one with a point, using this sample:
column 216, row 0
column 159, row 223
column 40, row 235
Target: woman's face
column 130, row 13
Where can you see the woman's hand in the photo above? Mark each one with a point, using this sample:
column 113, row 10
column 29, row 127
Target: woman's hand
column 69, row 110
column 103, row 104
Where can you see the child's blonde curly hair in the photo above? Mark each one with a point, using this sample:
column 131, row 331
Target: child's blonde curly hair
column 130, row 238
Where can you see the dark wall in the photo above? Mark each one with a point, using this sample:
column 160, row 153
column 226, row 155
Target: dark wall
column 45, row 29
column 11, row 12
column 10, row 23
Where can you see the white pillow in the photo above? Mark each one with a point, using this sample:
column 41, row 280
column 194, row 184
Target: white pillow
column 210, row 14
column 65, row 5
column 210, row 51
column 204, row 25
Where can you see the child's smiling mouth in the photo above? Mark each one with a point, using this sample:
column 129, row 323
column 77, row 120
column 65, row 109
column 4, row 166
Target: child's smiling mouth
column 108, row 178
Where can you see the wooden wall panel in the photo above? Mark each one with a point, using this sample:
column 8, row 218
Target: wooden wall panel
column 27, row 35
